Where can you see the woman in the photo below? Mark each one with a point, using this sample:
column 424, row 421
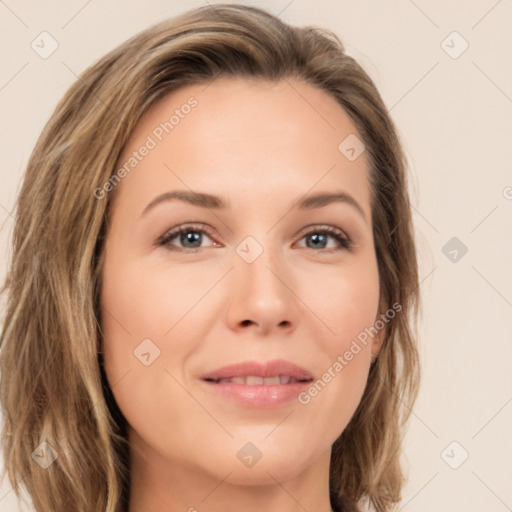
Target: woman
column 214, row 280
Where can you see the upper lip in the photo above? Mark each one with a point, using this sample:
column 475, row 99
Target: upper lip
column 276, row 367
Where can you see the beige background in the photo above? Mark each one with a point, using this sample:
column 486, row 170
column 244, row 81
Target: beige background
column 455, row 117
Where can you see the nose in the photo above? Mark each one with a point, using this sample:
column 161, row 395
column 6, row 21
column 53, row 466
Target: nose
column 261, row 296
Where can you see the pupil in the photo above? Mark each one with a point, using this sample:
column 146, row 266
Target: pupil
column 192, row 237
column 318, row 237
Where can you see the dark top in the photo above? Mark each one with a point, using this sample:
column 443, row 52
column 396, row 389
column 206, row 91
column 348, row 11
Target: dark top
column 335, row 505
column 336, row 508
column 343, row 504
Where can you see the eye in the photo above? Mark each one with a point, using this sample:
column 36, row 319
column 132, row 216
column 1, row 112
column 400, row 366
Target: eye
column 189, row 236
column 319, row 238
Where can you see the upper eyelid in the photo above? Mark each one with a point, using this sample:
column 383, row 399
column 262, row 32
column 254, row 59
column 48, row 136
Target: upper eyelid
column 321, row 227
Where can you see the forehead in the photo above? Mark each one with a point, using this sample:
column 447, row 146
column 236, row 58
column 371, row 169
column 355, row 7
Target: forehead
column 238, row 133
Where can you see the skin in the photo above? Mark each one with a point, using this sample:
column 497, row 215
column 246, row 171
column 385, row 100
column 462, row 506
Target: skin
column 262, row 146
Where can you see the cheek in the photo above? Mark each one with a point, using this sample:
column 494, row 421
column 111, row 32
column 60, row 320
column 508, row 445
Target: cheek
column 148, row 300
column 132, row 326
column 346, row 301
column 138, row 310
column 146, row 318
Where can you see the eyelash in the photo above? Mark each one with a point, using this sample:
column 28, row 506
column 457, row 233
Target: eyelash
column 344, row 241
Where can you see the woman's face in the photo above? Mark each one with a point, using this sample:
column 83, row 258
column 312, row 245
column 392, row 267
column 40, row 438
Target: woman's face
column 253, row 278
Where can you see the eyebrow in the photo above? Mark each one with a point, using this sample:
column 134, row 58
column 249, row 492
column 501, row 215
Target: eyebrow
column 210, row 201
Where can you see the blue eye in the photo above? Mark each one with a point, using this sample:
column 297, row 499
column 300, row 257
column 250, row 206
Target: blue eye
column 190, row 237
column 319, row 239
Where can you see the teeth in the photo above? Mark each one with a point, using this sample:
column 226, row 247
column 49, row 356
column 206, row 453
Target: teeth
column 253, row 380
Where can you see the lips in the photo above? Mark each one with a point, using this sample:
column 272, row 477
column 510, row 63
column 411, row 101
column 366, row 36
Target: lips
column 253, row 373
column 258, row 385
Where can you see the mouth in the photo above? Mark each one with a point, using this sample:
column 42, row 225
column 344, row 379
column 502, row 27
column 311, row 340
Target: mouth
column 258, row 385
column 255, row 380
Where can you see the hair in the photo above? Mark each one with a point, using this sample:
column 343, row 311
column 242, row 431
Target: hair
column 53, row 384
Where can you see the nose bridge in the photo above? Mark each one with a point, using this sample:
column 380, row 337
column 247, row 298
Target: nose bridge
column 260, row 291
column 256, row 266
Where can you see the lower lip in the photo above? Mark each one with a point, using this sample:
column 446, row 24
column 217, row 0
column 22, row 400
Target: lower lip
column 260, row 395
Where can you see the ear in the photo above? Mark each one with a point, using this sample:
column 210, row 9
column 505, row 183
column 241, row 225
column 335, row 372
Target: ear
column 380, row 321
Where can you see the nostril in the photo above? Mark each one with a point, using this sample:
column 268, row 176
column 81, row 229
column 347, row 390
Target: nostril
column 246, row 322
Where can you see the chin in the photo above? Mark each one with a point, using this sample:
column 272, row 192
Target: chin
column 261, row 462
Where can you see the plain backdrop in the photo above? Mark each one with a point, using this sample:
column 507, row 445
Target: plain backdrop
column 443, row 69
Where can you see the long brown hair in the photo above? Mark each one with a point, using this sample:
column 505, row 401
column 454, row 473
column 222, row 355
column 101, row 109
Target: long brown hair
column 53, row 386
